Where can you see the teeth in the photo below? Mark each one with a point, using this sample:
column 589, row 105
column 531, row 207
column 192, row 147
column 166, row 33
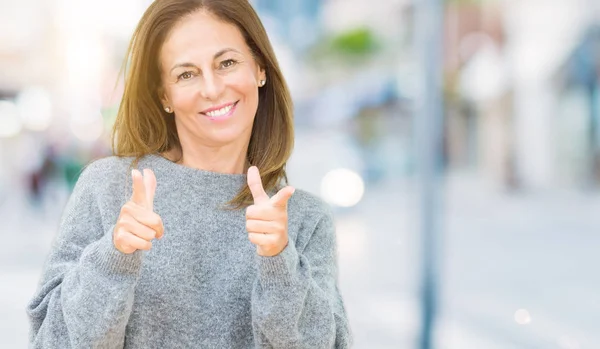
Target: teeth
column 220, row 112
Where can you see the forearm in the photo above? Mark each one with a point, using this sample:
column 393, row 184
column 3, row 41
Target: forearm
column 88, row 303
column 296, row 307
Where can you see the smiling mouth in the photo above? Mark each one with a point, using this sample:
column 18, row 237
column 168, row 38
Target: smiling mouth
column 222, row 111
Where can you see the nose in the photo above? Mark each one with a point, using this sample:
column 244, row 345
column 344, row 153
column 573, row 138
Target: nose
column 212, row 87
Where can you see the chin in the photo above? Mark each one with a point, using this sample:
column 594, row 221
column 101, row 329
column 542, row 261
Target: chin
column 227, row 136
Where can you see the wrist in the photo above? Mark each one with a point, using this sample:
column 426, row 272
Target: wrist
column 272, row 251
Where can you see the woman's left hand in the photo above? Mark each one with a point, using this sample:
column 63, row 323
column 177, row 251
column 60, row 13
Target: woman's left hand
column 267, row 219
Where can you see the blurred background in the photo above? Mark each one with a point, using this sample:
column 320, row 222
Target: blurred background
column 518, row 201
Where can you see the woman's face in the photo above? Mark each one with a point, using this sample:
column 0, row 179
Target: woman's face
column 210, row 81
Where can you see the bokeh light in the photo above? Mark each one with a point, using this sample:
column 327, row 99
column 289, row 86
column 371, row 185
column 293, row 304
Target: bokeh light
column 10, row 124
column 522, row 317
column 342, row 187
column 35, row 108
column 87, row 127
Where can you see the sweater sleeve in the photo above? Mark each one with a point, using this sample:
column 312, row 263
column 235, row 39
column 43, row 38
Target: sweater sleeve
column 85, row 295
column 295, row 300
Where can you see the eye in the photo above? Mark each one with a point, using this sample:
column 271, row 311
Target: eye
column 228, row 63
column 185, row 75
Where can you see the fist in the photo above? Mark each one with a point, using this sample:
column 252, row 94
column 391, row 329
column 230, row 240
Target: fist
column 267, row 219
column 137, row 224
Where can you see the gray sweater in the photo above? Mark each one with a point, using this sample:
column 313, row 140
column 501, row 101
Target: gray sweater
column 201, row 286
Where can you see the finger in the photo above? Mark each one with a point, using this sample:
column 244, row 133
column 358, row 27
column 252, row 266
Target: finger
column 150, row 184
column 266, row 227
column 152, row 221
column 129, row 239
column 139, row 190
column 263, row 213
column 145, row 217
column 126, row 241
column 281, row 198
column 262, row 239
column 138, row 229
column 256, row 187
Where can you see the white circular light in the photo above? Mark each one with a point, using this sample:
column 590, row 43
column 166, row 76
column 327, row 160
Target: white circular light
column 342, row 187
column 35, row 108
column 522, row 317
column 88, row 129
column 10, row 124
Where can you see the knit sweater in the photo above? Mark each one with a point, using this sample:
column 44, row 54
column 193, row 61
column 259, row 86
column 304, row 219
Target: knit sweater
column 201, row 286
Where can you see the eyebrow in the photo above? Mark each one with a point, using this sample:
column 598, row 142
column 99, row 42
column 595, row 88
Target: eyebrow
column 216, row 55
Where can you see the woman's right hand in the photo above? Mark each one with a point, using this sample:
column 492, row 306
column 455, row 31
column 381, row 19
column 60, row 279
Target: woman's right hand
column 138, row 225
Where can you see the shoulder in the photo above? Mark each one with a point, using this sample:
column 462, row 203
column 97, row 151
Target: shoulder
column 103, row 173
column 309, row 206
column 104, row 185
column 311, row 219
column 106, row 166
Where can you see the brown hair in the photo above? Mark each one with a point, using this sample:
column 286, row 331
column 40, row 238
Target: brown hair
column 142, row 126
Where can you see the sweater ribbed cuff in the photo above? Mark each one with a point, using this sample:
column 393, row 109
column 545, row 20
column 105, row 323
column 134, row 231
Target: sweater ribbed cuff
column 281, row 269
column 106, row 258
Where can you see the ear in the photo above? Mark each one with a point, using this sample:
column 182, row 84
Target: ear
column 162, row 94
column 262, row 74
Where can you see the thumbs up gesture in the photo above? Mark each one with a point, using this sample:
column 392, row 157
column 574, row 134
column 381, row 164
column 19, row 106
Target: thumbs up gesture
column 267, row 219
column 138, row 225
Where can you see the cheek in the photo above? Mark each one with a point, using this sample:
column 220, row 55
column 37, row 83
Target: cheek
column 244, row 84
column 183, row 97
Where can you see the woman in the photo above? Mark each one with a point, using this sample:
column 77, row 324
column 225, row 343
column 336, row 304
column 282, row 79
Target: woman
column 205, row 249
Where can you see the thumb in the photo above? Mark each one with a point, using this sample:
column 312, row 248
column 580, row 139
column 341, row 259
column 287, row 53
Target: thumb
column 281, row 198
column 255, row 185
column 139, row 189
column 150, row 184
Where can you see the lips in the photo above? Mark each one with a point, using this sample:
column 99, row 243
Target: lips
column 220, row 110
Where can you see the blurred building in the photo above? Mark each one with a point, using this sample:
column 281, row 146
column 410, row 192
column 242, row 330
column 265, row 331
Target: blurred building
column 578, row 116
column 503, row 100
column 297, row 22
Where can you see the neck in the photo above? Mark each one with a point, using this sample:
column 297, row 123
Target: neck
column 225, row 159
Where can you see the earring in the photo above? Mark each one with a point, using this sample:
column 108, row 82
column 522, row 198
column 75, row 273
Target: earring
column 168, row 109
column 261, row 83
